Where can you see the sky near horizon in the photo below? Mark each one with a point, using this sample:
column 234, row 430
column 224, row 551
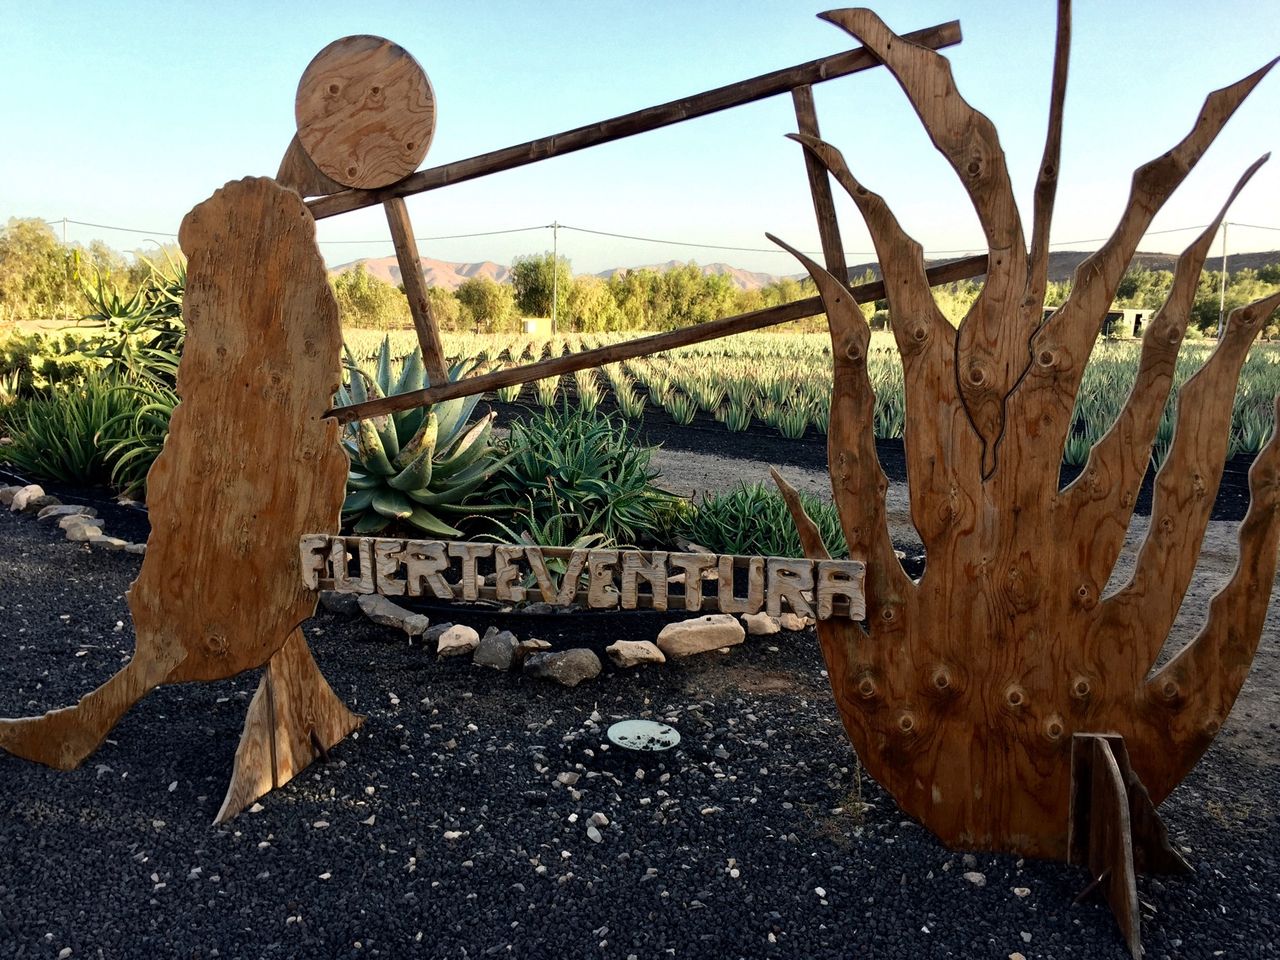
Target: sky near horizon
column 128, row 114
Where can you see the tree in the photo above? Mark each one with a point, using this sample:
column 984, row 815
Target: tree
column 591, row 307
column 36, row 272
column 365, row 301
column 491, row 304
column 446, row 311
column 534, row 278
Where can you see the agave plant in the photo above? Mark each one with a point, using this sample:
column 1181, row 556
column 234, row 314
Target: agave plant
column 416, row 466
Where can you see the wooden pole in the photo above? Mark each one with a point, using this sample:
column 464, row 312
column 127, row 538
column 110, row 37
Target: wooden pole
column 641, row 121
column 415, row 288
column 824, row 206
column 641, row 347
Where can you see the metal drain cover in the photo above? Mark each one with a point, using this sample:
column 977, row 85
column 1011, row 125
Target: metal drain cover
column 646, row 735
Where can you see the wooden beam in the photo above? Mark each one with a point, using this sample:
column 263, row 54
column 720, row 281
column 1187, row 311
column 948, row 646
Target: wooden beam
column 641, row 347
column 415, row 289
column 824, row 206
column 640, row 121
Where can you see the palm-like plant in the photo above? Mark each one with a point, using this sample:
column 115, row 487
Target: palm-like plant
column 414, row 466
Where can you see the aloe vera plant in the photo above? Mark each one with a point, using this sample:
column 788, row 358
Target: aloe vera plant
column 414, row 466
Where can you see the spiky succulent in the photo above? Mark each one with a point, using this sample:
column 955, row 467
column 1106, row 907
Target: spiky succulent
column 414, row 466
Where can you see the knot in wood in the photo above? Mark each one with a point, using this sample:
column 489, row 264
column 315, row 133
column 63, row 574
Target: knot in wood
column 943, row 682
column 977, row 374
column 867, row 688
column 1210, row 726
column 906, row 722
column 1054, row 728
column 1081, row 688
column 1015, row 696
column 854, row 352
column 1086, row 596
column 1171, row 692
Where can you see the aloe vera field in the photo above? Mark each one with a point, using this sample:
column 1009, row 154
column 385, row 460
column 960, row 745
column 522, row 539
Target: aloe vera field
column 783, row 382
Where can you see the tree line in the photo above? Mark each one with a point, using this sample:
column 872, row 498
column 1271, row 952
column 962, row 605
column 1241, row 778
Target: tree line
column 41, row 279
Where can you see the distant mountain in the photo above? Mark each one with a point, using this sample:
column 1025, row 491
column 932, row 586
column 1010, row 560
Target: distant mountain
column 439, row 273
column 1062, row 264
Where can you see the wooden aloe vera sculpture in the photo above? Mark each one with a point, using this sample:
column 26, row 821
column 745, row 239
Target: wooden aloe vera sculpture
column 963, row 691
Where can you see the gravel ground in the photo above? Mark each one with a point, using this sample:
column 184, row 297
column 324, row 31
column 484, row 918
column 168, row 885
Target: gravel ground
column 444, row 828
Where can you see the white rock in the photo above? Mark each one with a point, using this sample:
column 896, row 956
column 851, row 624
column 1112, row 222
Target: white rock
column 688, row 637
column 594, row 835
column 81, row 532
column 78, row 520
column 760, row 624
column 103, row 542
column 459, row 640
column 976, row 878
column 599, row 819
column 66, row 510
column 24, row 496
column 382, row 611
column 632, row 653
column 7, row 493
column 138, row 548
column 1022, row 891
column 794, row 622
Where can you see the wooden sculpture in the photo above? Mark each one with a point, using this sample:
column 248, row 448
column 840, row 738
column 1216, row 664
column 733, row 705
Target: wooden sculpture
column 249, row 466
column 964, row 691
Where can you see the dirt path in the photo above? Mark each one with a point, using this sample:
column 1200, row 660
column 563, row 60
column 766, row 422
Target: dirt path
column 1254, row 726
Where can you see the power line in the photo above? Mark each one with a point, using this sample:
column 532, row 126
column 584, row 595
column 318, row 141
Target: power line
column 452, row 236
column 657, row 240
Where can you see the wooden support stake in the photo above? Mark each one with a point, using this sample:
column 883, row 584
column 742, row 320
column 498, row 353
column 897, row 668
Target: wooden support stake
column 640, row 121
column 824, row 206
column 1113, row 829
column 640, row 347
column 415, row 288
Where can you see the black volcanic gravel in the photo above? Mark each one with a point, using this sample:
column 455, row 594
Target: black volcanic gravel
column 443, row 830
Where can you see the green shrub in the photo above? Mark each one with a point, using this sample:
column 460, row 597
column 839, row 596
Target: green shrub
column 586, row 472
column 753, row 520
column 56, row 435
column 134, row 437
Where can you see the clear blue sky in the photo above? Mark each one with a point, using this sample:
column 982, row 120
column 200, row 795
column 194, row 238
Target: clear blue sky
column 130, row 113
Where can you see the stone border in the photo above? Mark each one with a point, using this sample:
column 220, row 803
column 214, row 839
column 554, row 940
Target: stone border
column 497, row 649
column 78, row 523
column 503, row 650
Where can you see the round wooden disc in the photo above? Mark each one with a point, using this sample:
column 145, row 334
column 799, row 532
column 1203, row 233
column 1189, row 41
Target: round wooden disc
column 365, row 111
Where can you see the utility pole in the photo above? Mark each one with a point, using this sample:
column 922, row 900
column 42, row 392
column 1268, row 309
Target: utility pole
column 66, row 281
column 1222, row 288
column 555, row 272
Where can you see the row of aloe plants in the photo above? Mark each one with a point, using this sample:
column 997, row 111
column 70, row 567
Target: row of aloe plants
column 783, row 382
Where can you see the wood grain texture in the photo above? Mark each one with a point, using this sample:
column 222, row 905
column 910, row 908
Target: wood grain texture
column 963, row 691
column 293, row 714
column 639, row 347
column 1109, row 848
column 249, row 467
column 298, row 172
column 627, row 125
column 415, row 290
column 824, row 207
column 365, row 111
column 994, row 352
